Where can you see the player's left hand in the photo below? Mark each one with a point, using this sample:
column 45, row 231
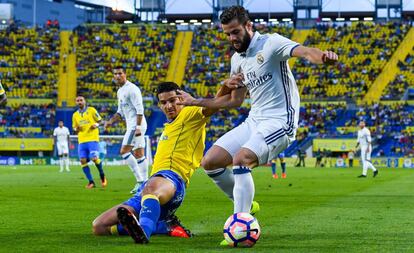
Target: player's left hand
column 137, row 132
column 185, row 98
column 329, row 57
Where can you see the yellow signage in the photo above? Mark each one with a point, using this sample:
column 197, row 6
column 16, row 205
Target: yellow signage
column 335, row 145
column 26, row 144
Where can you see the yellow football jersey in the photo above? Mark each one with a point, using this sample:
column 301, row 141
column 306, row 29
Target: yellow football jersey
column 83, row 120
column 2, row 91
column 181, row 144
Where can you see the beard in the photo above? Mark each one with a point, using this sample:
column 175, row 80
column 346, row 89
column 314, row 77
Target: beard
column 244, row 43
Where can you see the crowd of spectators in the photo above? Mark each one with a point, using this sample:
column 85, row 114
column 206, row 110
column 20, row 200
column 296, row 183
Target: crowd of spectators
column 396, row 89
column 144, row 51
column 364, row 49
column 29, row 59
column 15, row 118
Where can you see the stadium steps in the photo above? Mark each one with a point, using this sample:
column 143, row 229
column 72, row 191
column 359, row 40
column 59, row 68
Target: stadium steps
column 391, row 69
column 67, row 66
column 182, row 46
column 300, row 37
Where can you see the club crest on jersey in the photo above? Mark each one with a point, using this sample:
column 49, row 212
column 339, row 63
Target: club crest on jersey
column 260, row 58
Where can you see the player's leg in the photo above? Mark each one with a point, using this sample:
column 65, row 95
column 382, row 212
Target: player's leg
column 60, row 153
column 66, row 157
column 94, row 156
column 83, row 152
column 61, row 163
column 364, row 162
column 108, row 224
column 369, row 164
column 274, row 168
column 128, row 156
column 158, row 191
column 139, row 153
column 283, row 165
column 256, row 151
column 220, row 155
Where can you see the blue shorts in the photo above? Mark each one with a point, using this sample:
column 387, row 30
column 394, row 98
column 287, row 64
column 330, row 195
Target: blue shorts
column 281, row 155
column 88, row 150
column 171, row 206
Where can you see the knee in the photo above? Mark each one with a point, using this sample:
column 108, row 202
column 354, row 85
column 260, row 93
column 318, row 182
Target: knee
column 83, row 161
column 98, row 228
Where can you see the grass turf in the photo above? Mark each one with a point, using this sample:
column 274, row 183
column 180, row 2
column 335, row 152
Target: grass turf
column 313, row 210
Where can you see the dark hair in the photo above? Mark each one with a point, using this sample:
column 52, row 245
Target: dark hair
column 119, row 67
column 167, row 87
column 235, row 12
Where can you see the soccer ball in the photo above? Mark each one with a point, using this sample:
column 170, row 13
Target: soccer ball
column 241, row 230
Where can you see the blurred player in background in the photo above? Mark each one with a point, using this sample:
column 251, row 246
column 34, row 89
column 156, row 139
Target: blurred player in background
column 178, row 155
column 61, row 134
column 131, row 108
column 364, row 142
column 102, row 149
column 3, row 97
column 281, row 157
column 85, row 122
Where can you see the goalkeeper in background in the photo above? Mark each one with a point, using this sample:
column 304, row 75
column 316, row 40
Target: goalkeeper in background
column 85, row 122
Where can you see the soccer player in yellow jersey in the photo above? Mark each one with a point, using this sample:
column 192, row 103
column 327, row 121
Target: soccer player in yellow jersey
column 85, row 122
column 3, row 97
column 179, row 152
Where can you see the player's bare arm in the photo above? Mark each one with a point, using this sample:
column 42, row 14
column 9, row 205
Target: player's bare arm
column 115, row 118
column 224, row 99
column 315, row 55
column 139, row 120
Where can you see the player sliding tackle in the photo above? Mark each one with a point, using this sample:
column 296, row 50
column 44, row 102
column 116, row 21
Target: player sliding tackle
column 179, row 152
column 261, row 61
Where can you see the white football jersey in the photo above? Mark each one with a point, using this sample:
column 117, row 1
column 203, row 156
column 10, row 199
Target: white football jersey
column 130, row 104
column 364, row 136
column 267, row 76
column 61, row 134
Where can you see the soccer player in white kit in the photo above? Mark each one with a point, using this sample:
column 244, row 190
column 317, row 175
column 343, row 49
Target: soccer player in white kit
column 364, row 142
column 61, row 134
column 260, row 62
column 131, row 108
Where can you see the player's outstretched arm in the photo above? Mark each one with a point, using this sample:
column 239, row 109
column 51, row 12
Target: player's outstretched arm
column 115, row 118
column 225, row 98
column 315, row 55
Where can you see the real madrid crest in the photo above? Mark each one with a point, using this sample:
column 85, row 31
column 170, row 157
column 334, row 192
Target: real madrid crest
column 260, row 58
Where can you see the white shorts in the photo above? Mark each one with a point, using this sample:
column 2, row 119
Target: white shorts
column 136, row 141
column 62, row 148
column 265, row 138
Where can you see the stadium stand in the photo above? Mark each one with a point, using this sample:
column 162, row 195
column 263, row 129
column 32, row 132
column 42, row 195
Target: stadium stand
column 209, row 62
column 143, row 50
column 365, row 48
column 29, row 61
column 404, row 80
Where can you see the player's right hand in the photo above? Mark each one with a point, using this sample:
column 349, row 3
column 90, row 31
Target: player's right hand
column 107, row 124
column 234, row 82
column 185, row 98
column 329, row 57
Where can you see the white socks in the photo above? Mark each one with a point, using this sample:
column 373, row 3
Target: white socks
column 243, row 191
column 64, row 162
column 224, row 179
column 143, row 168
column 133, row 165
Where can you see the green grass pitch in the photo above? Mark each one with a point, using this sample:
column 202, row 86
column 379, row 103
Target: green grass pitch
column 313, row 210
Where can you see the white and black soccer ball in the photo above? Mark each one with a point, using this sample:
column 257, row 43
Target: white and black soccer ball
column 241, row 230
